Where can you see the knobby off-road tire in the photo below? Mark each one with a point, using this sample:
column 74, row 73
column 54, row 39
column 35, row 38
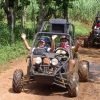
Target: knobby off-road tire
column 73, row 83
column 17, row 81
column 83, row 70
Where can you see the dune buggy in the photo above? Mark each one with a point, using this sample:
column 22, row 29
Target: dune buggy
column 53, row 67
column 94, row 38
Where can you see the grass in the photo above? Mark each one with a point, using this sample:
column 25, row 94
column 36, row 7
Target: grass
column 81, row 29
column 10, row 52
column 84, row 10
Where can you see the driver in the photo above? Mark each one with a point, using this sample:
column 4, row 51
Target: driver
column 64, row 43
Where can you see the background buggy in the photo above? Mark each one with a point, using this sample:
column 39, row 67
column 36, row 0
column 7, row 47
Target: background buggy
column 94, row 36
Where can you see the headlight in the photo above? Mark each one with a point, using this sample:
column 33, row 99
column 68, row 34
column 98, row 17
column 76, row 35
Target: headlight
column 58, row 51
column 54, row 61
column 38, row 60
column 63, row 52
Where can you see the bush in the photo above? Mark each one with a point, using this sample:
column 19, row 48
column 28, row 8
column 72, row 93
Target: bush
column 84, row 10
column 4, row 34
column 11, row 52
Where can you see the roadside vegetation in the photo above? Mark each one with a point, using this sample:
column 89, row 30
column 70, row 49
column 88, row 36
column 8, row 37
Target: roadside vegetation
column 10, row 52
column 81, row 29
column 82, row 12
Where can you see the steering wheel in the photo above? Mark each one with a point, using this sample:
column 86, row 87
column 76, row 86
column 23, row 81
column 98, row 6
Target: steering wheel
column 61, row 52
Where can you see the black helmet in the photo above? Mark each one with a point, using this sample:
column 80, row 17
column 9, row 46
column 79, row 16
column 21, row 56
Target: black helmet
column 64, row 37
column 45, row 39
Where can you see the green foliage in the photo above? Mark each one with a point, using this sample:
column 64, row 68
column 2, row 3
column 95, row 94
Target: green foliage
column 32, row 10
column 1, row 11
column 11, row 52
column 24, row 2
column 1, row 14
column 4, row 34
column 84, row 10
column 81, row 29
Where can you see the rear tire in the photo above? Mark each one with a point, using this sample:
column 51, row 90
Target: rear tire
column 86, row 42
column 83, row 70
column 17, row 81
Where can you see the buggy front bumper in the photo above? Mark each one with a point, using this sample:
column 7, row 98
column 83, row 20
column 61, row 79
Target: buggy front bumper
column 44, row 78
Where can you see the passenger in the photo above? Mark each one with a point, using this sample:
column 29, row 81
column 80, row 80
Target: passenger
column 44, row 43
column 41, row 44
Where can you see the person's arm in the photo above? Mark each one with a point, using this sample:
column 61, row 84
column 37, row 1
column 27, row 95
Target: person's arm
column 53, row 43
column 95, row 27
column 76, row 47
column 23, row 36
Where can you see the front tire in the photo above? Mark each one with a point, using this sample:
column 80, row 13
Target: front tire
column 83, row 70
column 17, row 81
column 73, row 81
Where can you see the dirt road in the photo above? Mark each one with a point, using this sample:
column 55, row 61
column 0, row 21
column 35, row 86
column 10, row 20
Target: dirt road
column 87, row 91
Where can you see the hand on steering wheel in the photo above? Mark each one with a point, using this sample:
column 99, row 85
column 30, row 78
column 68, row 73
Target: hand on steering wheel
column 60, row 48
column 62, row 54
column 61, row 51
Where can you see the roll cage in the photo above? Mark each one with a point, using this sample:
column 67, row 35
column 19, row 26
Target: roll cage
column 59, row 26
column 40, row 34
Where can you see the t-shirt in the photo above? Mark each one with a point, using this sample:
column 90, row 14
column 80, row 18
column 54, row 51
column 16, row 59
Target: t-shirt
column 47, row 49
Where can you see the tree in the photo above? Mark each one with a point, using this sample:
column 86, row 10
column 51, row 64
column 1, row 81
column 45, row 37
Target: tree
column 43, row 10
column 11, row 8
column 63, row 5
column 8, row 6
column 51, row 7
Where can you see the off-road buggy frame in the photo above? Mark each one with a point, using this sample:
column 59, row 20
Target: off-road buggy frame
column 58, row 74
column 94, row 37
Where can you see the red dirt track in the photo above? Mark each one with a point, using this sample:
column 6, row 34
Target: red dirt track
column 87, row 91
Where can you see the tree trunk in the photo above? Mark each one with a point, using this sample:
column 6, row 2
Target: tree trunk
column 9, row 10
column 33, row 19
column 23, row 19
column 12, row 24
